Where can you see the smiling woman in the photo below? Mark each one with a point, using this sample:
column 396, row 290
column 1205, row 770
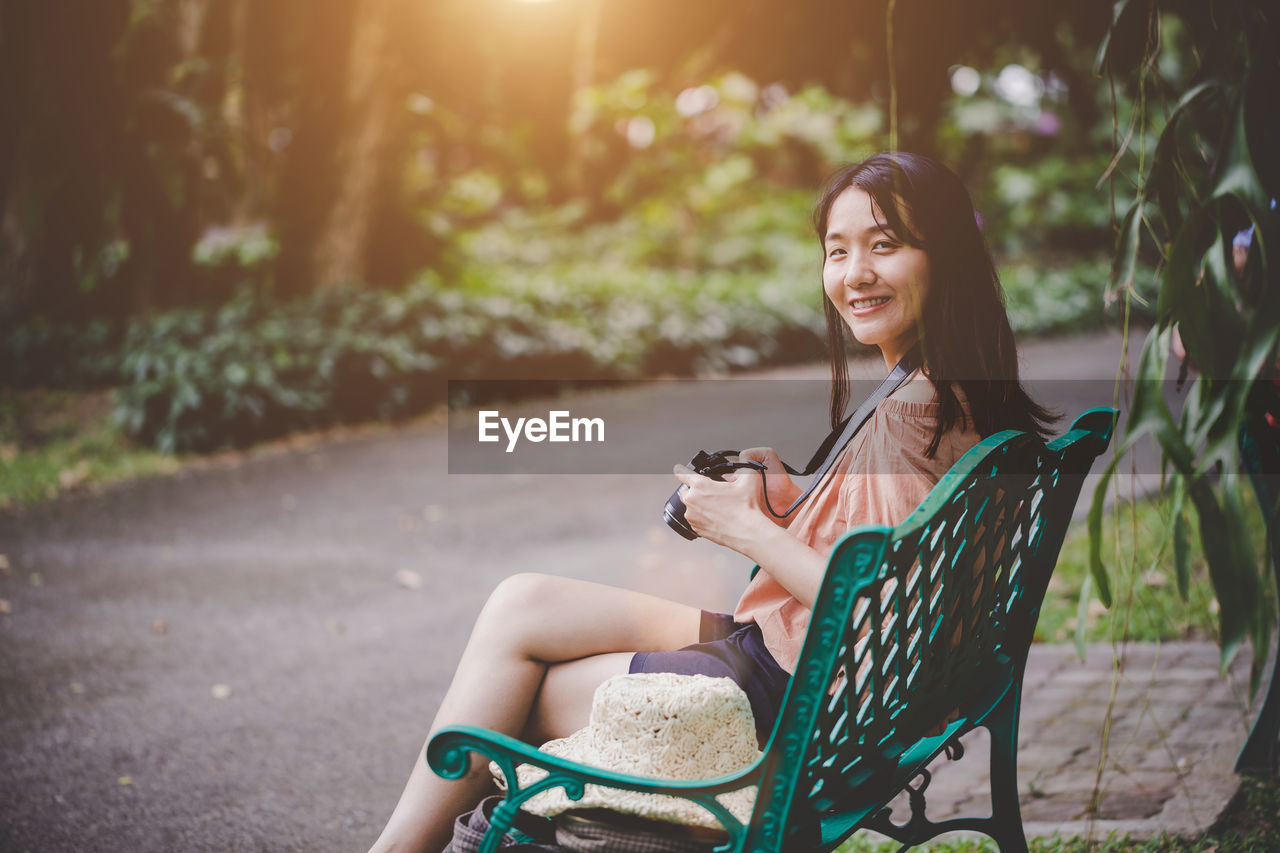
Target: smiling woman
column 904, row 267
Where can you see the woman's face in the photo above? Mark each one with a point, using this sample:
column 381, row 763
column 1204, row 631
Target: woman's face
column 876, row 282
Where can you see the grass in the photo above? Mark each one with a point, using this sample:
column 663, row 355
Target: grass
column 1251, row 822
column 1147, row 605
column 53, row 442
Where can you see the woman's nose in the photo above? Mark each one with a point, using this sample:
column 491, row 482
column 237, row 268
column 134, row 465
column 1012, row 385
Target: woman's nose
column 858, row 272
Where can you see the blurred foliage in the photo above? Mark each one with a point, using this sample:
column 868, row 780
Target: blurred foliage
column 255, row 369
column 712, row 142
column 246, row 248
column 607, row 222
column 1050, row 204
column 352, row 144
column 697, row 257
column 1204, row 171
column 1042, row 297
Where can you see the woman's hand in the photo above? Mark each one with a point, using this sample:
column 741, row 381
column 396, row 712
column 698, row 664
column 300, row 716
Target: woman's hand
column 729, row 513
column 732, row 514
column 778, row 485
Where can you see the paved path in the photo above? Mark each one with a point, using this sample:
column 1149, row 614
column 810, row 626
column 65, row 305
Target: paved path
column 246, row 656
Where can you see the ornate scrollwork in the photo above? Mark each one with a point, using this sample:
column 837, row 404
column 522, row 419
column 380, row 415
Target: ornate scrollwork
column 451, row 760
column 915, row 794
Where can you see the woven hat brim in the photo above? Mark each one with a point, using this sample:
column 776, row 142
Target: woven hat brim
column 653, row 806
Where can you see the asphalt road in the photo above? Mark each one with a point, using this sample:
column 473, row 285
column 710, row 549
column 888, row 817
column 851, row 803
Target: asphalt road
column 246, row 656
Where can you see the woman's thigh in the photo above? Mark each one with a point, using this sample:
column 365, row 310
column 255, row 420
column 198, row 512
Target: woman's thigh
column 584, row 633
column 563, row 703
column 556, row 619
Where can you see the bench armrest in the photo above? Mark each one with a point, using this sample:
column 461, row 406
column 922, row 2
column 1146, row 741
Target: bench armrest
column 449, row 750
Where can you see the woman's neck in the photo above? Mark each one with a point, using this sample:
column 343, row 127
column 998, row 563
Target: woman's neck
column 892, row 355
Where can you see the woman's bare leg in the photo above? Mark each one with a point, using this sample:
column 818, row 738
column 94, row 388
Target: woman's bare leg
column 538, row 650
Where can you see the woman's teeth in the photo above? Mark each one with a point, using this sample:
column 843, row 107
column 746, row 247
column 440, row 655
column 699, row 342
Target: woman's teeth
column 867, row 303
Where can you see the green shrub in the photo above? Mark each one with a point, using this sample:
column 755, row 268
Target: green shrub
column 255, row 369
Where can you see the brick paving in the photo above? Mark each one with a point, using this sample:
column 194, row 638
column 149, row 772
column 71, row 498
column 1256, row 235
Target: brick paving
column 1175, row 726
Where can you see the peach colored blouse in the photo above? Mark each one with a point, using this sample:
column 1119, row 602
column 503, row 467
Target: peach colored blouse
column 880, row 478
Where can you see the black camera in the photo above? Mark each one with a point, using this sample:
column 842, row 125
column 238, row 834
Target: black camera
column 714, row 465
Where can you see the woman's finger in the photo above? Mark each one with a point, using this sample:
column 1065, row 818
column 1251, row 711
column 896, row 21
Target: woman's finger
column 686, row 475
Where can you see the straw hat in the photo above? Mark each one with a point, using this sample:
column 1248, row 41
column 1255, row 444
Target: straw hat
column 669, row 726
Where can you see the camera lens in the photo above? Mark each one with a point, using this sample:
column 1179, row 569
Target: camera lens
column 673, row 515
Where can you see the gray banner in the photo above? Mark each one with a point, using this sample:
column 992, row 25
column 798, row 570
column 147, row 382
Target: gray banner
column 645, row 427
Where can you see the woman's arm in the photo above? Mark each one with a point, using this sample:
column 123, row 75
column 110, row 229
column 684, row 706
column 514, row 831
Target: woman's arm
column 732, row 514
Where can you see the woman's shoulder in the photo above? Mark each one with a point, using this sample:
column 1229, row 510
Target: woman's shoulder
column 905, row 424
column 918, row 389
column 919, row 396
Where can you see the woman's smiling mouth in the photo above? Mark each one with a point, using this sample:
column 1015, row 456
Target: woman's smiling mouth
column 866, row 304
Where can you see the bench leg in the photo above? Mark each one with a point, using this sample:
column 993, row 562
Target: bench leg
column 1006, row 814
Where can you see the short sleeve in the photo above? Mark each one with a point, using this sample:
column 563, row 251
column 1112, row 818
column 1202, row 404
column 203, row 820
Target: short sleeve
column 891, row 474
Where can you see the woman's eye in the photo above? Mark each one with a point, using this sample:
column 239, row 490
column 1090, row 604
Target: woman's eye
column 835, row 252
column 884, row 244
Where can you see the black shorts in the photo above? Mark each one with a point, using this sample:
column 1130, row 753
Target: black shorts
column 728, row 649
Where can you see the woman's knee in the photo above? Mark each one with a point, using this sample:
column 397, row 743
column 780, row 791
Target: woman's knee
column 519, row 592
column 519, row 599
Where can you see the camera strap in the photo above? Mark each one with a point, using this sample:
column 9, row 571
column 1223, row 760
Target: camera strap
column 833, row 445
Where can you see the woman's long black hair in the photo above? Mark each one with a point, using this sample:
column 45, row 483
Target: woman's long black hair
column 965, row 336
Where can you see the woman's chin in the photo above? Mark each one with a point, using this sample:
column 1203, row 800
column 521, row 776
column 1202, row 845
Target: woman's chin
column 868, row 337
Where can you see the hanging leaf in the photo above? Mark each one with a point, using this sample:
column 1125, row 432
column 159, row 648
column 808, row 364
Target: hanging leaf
column 1127, row 248
column 1168, row 173
column 1097, row 570
column 1181, row 299
column 1264, row 611
column 1181, row 538
column 1237, row 175
column 1119, row 14
column 1234, row 579
column 1082, row 614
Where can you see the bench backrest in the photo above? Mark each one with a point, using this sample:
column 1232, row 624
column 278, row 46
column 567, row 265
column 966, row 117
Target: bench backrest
column 918, row 632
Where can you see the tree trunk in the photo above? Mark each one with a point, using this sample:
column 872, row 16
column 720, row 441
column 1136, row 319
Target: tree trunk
column 341, row 255
column 192, row 16
column 584, row 76
column 235, row 111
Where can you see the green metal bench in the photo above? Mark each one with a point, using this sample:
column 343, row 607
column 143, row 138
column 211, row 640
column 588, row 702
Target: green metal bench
column 919, row 634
